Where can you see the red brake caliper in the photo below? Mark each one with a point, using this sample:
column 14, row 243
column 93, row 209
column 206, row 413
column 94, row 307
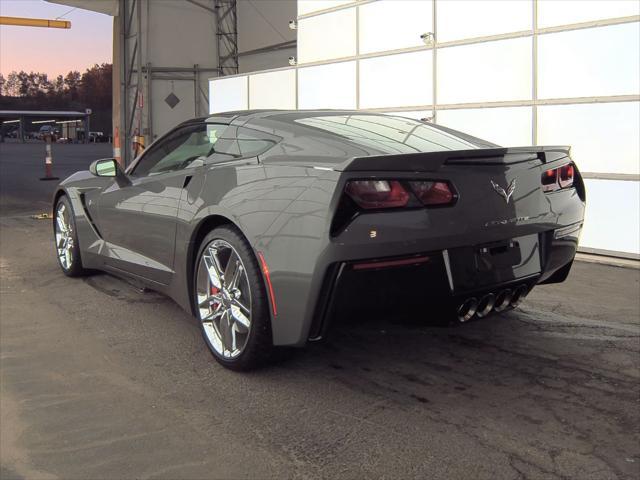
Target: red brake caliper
column 214, row 291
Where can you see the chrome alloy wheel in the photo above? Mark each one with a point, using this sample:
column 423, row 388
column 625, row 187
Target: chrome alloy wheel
column 64, row 237
column 224, row 298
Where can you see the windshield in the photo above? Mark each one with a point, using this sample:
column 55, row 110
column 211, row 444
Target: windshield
column 392, row 134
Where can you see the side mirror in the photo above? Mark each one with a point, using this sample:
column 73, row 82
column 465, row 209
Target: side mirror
column 109, row 167
column 104, row 167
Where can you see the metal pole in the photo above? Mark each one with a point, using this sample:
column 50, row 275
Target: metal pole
column 87, row 124
column 534, row 75
column 149, row 105
column 124, row 101
column 139, row 63
column 196, row 96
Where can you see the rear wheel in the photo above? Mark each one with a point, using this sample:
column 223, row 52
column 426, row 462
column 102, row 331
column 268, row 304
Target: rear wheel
column 230, row 301
column 66, row 238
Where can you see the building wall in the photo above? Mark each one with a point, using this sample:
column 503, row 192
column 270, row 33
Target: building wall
column 181, row 34
column 177, row 34
column 527, row 72
column 262, row 25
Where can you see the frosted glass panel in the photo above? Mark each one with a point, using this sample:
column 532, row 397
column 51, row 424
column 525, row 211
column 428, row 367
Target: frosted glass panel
column 612, row 219
column 604, row 137
column 415, row 114
column 309, row 6
column 590, row 62
column 563, row 12
column 228, row 94
column 472, row 18
column 489, row 71
column 273, row 90
column 327, row 86
column 327, row 36
column 402, row 21
column 396, row 80
column 509, row 127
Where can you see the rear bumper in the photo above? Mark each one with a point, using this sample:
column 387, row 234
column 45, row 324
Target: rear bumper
column 305, row 273
column 436, row 282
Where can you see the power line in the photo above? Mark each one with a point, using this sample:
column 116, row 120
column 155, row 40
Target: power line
column 265, row 19
column 67, row 13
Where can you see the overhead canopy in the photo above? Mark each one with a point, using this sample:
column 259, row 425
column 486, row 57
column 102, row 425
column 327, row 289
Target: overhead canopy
column 41, row 113
column 108, row 7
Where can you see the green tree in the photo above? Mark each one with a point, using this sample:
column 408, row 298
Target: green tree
column 58, row 85
column 23, row 84
column 11, row 85
column 95, row 87
column 72, row 83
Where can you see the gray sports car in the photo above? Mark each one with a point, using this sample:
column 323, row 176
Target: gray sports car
column 265, row 224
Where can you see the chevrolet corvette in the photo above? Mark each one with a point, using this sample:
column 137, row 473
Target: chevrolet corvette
column 265, row 224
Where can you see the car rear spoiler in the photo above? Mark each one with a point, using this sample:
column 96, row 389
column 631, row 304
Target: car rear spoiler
column 433, row 161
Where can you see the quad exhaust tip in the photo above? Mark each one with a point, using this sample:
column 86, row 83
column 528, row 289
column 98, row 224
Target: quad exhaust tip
column 467, row 309
column 503, row 300
column 485, row 305
column 518, row 295
column 497, row 302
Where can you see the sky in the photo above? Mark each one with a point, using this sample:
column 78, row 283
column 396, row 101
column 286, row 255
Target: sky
column 51, row 50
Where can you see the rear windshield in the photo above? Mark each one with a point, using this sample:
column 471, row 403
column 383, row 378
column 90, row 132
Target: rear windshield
column 392, row 134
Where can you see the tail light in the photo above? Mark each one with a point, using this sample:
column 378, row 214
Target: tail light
column 433, row 193
column 377, row 194
column 373, row 194
column 550, row 180
column 558, row 178
column 370, row 194
column 566, row 176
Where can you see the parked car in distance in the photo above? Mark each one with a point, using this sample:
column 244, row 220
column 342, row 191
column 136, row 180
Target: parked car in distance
column 48, row 130
column 97, row 137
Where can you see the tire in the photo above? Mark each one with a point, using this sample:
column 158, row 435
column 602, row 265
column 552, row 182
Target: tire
column 236, row 325
column 69, row 256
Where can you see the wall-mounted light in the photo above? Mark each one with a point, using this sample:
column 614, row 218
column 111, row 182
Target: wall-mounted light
column 293, row 25
column 44, row 121
column 11, row 121
column 292, row 61
column 428, row 38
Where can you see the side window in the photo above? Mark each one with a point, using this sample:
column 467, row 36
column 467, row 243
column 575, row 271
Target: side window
column 241, row 142
column 179, row 149
column 252, row 142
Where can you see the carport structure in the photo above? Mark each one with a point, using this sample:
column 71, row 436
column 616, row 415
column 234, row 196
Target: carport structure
column 44, row 117
column 160, row 78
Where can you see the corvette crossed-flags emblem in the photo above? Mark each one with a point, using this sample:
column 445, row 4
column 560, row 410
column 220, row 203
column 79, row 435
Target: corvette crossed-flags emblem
column 506, row 194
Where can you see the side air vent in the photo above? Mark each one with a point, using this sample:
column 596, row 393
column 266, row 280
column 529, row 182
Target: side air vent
column 88, row 215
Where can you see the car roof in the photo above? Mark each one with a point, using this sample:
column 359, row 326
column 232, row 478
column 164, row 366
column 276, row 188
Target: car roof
column 246, row 115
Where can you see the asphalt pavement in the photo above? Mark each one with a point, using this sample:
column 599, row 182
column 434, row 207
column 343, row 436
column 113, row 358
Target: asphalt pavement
column 101, row 380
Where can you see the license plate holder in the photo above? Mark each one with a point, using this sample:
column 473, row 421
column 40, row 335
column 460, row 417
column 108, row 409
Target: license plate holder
column 481, row 266
column 499, row 255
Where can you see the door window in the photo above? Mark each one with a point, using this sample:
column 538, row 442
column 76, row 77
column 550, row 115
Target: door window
column 180, row 149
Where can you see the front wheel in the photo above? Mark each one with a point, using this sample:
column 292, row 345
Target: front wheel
column 66, row 238
column 231, row 302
